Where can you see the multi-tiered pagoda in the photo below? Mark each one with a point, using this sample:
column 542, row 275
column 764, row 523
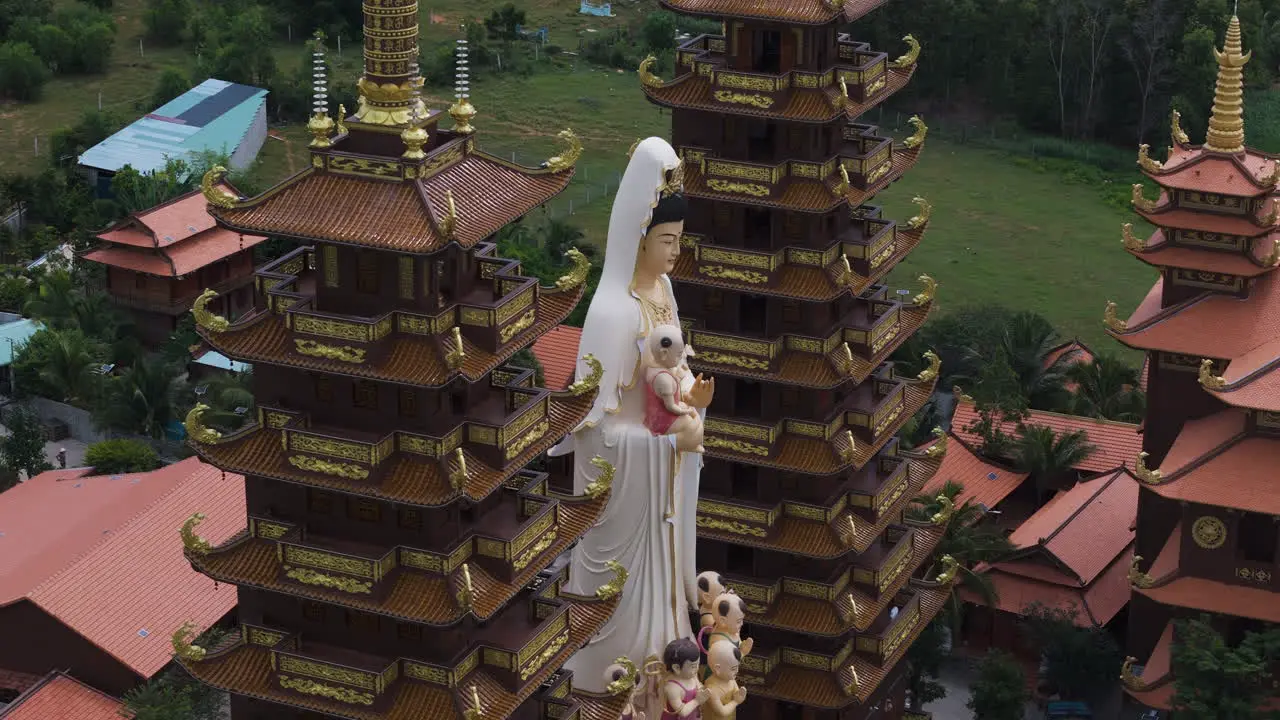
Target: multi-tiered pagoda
column 1207, row 534
column 802, row 495
column 393, row 563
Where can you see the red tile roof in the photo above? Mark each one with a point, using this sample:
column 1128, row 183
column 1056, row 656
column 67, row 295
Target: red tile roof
column 558, row 353
column 1118, row 443
column 1193, row 168
column 984, row 482
column 102, row 555
column 1096, row 604
column 1213, row 462
column 62, row 697
column 1210, row 325
column 1070, row 352
column 1083, row 529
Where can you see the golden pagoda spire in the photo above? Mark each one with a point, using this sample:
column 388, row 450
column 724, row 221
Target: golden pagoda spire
column 320, row 125
column 1226, row 124
column 390, row 56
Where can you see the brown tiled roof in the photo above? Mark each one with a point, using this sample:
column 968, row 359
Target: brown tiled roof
column 1157, row 674
column 415, row 596
column 984, row 482
column 692, row 91
column 808, row 195
column 812, row 456
column 1160, row 253
column 412, row 359
column 246, row 670
column 1118, row 443
column 392, row 214
column 810, row 538
column 1085, row 528
column 1192, row 168
column 804, row 12
column 1253, row 380
column 1096, row 604
column 1213, row 463
column 557, row 352
column 61, row 697
column 824, row 689
column 821, row 617
column 410, row 478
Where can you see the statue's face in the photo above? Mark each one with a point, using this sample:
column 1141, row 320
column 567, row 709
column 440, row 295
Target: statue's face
column 685, row 670
column 660, row 248
column 724, row 661
column 731, row 621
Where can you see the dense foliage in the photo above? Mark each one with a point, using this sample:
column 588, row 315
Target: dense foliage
column 1080, row 661
column 1000, row 692
column 23, row 449
column 121, row 455
column 1218, row 680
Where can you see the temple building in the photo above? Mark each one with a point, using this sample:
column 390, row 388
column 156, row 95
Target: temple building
column 393, row 564
column 779, row 285
column 1207, row 536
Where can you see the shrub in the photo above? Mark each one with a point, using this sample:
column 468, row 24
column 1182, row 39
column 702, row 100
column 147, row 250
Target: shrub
column 121, row 455
column 166, row 19
column 22, row 73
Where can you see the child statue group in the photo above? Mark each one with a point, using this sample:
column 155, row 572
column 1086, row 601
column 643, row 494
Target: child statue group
column 647, row 422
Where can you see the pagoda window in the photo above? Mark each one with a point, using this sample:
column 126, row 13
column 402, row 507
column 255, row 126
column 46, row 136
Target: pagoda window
column 364, row 510
column 768, row 51
column 746, row 399
column 739, row 560
column 409, row 631
column 410, row 518
column 758, row 222
column 365, row 395
column 319, row 502
column 745, row 482
column 367, row 271
column 408, row 402
column 324, row 388
column 1257, row 538
column 751, row 313
column 313, row 611
column 712, row 300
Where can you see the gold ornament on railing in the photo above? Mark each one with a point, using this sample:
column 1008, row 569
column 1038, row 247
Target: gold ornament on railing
column 624, row 684
column 321, row 127
column 938, row 449
column 448, row 224
column 1131, row 241
column 916, row 139
column 1137, row 578
column 911, row 56
column 943, row 516
column 206, row 319
column 341, row 120
column 458, row 475
column 1208, row 380
column 1144, row 473
column 1109, row 318
column 182, row 640
column 921, row 219
column 454, row 357
column 935, row 364
column 647, row 78
column 847, row 356
column 216, row 195
column 850, row 447
column 1128, row 679
column 929, row 292
column 949, row 569
column 572, row 151
column 591, row 380
column 1175, row 128
column 603, row 482
column 1141, row 202
column 613, row 588
column 466, row 591
column 577, row 275
column 196, row 429
column 475, row 711
column 1146, row 162
column 192, row 542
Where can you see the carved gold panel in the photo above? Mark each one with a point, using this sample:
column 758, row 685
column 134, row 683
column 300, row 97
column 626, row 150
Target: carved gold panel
column 329, row 254
column 1209, row 532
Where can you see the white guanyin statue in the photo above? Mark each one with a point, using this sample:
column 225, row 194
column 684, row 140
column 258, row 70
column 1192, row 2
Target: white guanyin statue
column 649, row 526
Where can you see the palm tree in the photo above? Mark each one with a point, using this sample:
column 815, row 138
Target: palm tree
column 72, row 367
column 54, row 301
column 1050, row 458
column 141, row 399
column 1026, row 344
column 967, row 541
column 1106, row 388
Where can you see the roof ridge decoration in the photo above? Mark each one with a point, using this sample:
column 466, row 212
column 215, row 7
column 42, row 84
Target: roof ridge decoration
column 910, row 57
column 1131, row 241
column 214, row 192
column 1226, row 123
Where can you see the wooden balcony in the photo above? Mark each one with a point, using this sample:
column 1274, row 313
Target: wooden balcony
column 165, row 303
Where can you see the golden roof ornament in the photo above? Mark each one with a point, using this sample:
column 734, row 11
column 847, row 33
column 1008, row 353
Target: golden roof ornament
column 842, row 188
column 1208, row 380
column 1272, row 215
column 1144, row 473
column 851, row 536
column 573, row 151
column 836, row 5
column 603, row 482
column 910, row 57
column 943, row 516
column 949, row 569
column 214, row 193
column 1226, row 121
column 930, row 373
column 632, row 150
column 191, row 542
column 846, row 354
column 182, row 640
column 475, row 711
column 1128, row 678
column 613, row 588
column 448, row 225
column 938, row 449
column 850, row 446
column 204, row 317
column 466, row 591
column 918, row 221
column 916, row 139
column 1131, row 241
column 1113, row 323
column 930, row 290
column 320, row 125
column 1141, row 202
column 1273, row 178
column 1175, row 128
column 846, row 271
column 647, row 78
column 414, row 136
column 459, row 475
column 1137, row 578
column 1146, row 162
column 960, row 394
column 196, row 429
column 577, row 275
column 851, row 687
column 674, row 184
column 453, row 358
column 462, row 110
column 1273, row 258
column 591, row 380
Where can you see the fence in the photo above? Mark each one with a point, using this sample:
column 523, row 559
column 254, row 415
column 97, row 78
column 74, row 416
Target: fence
column 588, row 189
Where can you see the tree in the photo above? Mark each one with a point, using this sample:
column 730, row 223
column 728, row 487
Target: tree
column 93, row 127
column 174, row 696
column 121, row 455
column 998, row 400
column 24, row 447
column 224, row 392
column 137, row 191
column 140, row 399
column 1106, row 388
column 1146, row 50
column 1214, row 681
column 165, row 20
column 659, row 31
column 924, row 665
column 1000, row 692
column 1081, row 661
column 502, row 23
column 1026, row 343
column 1050, row 458
column 22, row 74
column 61, row 365
column 171, row 83
column 525, row 358
column 54, row 301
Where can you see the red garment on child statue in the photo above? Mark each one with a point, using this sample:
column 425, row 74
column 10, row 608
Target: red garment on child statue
column 688, row 697
column 656, row 415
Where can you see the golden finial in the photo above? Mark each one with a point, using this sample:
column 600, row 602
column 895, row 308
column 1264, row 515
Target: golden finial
column 459, row 475
column 930, row 373
column 1144, row 473
column 920, row 220
column 1146, row 162
column 911, row 56
column 949, row 569
column 341, row 120
column 613, row 588
column 453, row 358
column 916, row 139
column 214, row 193
column 320, row 125
column 847, row 355
column 467, row 592
column 647, row 78
column 849, row 448
column 462, row 111
column 602, row 484
column 577, row 275
column 630, row 677
column 182, row 640
column 930, row 291
column 206, row 319
column 566, row 159
column 193, row 543
column 943, row 516
column 1208, row 380
column 1141, row 202
column 196, row 429
column 1113, row 323
column 591, row 380
column 1137, row 578
column 938, row 449
column 1175, row 128
column 1226, row 122
column 476, row 711
column 1131, row 241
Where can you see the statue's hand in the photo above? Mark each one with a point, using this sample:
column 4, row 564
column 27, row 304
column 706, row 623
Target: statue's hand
column 746, row 645
column 741, row 695
column 702, row 392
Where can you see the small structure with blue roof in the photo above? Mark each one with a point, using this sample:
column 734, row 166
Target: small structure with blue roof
column 214, row 116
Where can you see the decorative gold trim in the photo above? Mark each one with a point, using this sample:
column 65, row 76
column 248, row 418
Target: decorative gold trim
column 1209, row 532
column 196, row 429
column 1137, row 578
column 592, row 379
column 921, row 219
column 577, row 275
column 613, row 588
column 1131, row 241
column 316, row 465
column 720, row 272
column 647, row 78
column 910, row 57
column 603, row 482
column 1146, row 162
column 345, row 353
column 1208, row 380
column 752, row 189
column 459, row 476
column 764, row 102
column 1145, row 474
column 182, row 639
column 204, row 318
column 938, row 450
column 850, row 446
column 332, row 692
column 930, row 373
column 1141, row 202
column 949, row 570
column 842, row 188
column 311, row 577
column 1175, row 128
column 453, row 358
column 192, row 542
column 943, row 516
column 572, row 151
column 736, row 446
column 517, row 327
column 1112, row 322
column 930, row 291
column 916, row 139
column 534, row 551
column 730, row 526
column 215, row 195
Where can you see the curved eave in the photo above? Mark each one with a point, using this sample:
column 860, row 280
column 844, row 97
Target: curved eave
column 1214, row 462
column 1166, row 215
column 1194, row 169
column 410, row 479
column 417, row 360
column 808, row 12
column 1253, row 382
column 1160, row 253
column 1154, row 692
column 1172, row 329
column 416, row 596
column 819, row 372
column 694, row 92
column 812, row 539
column 1214, row 596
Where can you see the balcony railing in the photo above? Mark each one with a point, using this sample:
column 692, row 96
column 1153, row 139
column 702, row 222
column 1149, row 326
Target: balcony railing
column 883, row 644
column 893, row 564
column 884, row 497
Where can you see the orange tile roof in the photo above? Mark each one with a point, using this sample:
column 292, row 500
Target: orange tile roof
column 1118, row 443
column 1096, row 604
column 1169, row 216
column 557, row 351
column 1074, row 351
column 1213, row 463
column 102, row 555
column 1252, row 379
column 984, row 482
column 165, row 224
column 62, row 697
column 1192, row 168
column 1159, row 252
column 1216, row 597
column 1209, row 325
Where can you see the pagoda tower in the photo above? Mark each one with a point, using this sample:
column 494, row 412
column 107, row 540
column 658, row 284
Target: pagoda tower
column 779, row 285
column 394, row 561
column 1207, row 532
